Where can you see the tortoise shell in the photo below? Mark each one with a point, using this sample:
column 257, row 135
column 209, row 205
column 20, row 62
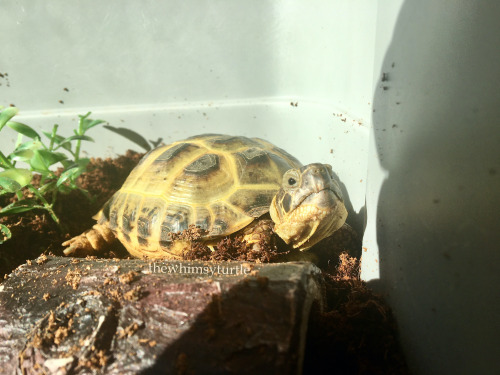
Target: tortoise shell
column 216, row 182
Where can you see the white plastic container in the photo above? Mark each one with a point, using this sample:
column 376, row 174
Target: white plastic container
column 401, row 98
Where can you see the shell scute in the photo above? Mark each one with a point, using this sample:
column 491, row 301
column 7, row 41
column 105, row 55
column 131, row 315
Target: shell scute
column 201, row 187
column 150, row 214
column 253, row 202
column 227, row 219
column 203, row 218
column 258, row 169
column 230, row 144
column 111, row 210
column 129, row 214
column 171, row 152
column 155, row 173
column 177, row 217
column 203, row 165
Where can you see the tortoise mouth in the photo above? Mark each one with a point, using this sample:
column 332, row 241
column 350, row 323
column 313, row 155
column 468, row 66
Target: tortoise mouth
column 325, row 199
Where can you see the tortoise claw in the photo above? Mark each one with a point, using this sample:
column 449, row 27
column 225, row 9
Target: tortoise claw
column 70, row 250
column 258, row 233
column 94, row 240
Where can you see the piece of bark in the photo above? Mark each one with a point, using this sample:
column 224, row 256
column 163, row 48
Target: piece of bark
column 75, row 316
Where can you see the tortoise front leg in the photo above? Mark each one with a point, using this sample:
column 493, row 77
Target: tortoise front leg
column 96, row 239
column 259, row 233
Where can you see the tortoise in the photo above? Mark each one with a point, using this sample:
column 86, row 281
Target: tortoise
column 223, row 185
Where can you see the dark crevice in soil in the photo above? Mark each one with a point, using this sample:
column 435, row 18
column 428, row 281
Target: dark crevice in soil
column 355, row 334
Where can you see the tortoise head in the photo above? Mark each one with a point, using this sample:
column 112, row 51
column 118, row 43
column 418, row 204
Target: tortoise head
column 308, row 207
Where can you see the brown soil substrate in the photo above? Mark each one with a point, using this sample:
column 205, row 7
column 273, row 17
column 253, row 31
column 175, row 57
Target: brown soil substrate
column 354, row 334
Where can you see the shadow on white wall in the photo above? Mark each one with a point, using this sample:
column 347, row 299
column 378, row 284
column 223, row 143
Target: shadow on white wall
column 437, row 134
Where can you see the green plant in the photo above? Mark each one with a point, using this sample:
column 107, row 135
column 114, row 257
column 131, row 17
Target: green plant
column 40, row 158
column 134, row 137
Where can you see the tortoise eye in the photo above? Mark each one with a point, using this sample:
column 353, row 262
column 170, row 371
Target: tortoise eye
column 291, row 178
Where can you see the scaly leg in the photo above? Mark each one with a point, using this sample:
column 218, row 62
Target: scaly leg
column 259, row 233
column 94, row 240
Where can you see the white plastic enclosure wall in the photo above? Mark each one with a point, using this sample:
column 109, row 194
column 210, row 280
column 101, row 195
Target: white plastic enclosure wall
column 173, row 69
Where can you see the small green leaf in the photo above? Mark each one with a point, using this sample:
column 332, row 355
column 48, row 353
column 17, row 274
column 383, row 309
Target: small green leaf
column 71, row 175
column 4, row 161
column 23, row 129
column 87, row 123
column 67, row 163
column 70, row 170
column 91, row 123
column 5, row 233
column 54, row 137
column 83, row 162
column 30, row 145
column 58, row 139
column 12, row 209
column 47, row 187
column 67, row 187
column 21, row 155
column 8, row 185
column 48, row 135
column 75, row 138
column 6, row 114
column 43, row 159
column 131, row 136
column 19, row 175
column 38, row 163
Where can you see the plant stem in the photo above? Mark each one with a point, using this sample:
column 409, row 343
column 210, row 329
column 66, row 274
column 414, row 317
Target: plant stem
column 46, row 204
column 77, row 151
column 81, row 131
column 53, row 136
column 54, row 195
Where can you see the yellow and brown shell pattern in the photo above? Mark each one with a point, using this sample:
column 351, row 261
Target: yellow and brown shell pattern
column 219, row 183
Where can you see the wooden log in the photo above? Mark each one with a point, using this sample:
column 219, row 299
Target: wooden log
column 75, row 316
